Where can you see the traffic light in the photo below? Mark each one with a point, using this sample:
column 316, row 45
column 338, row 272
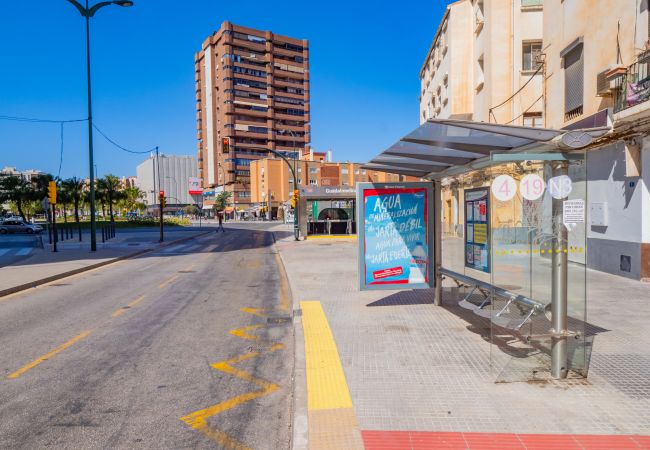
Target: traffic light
column 51, row 192
column 225, row 145
column 294, row 199
column 161, row 197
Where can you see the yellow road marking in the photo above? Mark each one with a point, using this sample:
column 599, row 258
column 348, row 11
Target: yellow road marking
column 242, row 332
column 261, row 312
column 326, row 385
column 223, row 439
column 47, row 356
column 122, row 310
column 167, row 281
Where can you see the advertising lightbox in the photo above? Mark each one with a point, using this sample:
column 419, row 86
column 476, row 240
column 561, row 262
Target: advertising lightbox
column 395, row 235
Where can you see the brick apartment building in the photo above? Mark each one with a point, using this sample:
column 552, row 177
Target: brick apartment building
column 252, row 94
column 270, row 177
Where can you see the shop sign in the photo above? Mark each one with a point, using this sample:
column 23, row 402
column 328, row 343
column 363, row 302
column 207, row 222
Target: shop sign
column 477, row 229
column 195, row 186
column 395, row 235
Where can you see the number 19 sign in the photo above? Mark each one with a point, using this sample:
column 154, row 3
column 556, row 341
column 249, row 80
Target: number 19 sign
column 395, row 235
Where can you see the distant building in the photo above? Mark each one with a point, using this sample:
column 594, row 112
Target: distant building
column 171, row 174
column 26, row 174
column 252, row 91
column 271, row 178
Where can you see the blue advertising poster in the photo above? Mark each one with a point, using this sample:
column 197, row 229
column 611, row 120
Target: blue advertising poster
column 477, row 228
column 395, row 242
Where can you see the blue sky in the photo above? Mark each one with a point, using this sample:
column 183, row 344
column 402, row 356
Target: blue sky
column 365, row 59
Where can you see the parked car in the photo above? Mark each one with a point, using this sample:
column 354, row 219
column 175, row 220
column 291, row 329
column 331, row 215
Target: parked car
column 19, row 226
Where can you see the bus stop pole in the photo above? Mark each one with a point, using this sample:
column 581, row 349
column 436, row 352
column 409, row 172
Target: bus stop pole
column 559, row 283
column 437, row 242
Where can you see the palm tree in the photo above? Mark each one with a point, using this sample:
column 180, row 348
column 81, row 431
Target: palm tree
column 16, row 190
column 112, row 188
column 221, row 201
column 132, row 198
column 75, row 189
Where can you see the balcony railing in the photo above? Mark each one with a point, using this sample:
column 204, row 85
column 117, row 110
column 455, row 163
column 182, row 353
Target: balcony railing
column 633, row 87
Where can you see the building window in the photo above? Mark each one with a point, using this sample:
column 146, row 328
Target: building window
column 344, row 171
column 573, row 62
column 529, row 3
column 531, row 51
column 313, row 182
column 313, row 170
column 533, row 119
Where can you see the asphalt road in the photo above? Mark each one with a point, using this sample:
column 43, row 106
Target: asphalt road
column 154, row 352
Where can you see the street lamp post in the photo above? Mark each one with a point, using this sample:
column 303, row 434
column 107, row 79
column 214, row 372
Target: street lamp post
column 296, row 228
column 89, row 12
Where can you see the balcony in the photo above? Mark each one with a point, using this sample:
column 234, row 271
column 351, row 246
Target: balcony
column 632, row 87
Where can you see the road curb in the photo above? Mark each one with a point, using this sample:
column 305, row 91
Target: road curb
column 300, row 422
column 59, row 276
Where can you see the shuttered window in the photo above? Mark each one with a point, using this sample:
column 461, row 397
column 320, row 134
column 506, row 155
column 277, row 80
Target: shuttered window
column 573, row 81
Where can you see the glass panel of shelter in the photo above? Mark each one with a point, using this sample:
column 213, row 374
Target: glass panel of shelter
column 509, row 242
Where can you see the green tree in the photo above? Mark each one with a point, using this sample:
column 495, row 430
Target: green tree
column 221, row 201
column 113, row 189
column 17, row 191
column 132, row 199
column 74, row 187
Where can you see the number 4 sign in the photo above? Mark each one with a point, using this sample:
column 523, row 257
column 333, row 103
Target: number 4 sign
column 504, row 188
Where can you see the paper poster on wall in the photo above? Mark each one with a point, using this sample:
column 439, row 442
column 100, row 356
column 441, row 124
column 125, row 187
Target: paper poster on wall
column 477, row 229
column 396, row 236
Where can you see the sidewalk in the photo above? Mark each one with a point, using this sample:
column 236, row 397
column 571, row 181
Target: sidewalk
column 421, row 376
column 74, row 256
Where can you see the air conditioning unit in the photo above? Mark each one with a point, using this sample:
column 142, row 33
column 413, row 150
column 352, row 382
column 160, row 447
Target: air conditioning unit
column 607, row 80
column 603, row 84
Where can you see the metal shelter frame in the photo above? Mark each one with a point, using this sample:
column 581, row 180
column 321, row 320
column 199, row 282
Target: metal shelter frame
column 440, row 148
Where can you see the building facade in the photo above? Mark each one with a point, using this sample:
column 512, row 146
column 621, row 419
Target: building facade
column 271, row 178
column 597, row 67
column 169, row 173
column 484, row 64
column 252, row 92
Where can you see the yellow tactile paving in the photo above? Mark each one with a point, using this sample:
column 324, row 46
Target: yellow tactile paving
column 326, row 385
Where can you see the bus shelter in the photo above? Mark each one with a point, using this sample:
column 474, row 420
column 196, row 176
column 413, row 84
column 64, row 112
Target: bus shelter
column 509, row 219
column 327, row 210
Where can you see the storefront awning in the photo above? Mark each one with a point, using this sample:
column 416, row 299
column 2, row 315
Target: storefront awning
column 442, row 147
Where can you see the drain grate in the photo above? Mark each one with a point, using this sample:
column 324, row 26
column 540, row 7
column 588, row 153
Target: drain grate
column 279, row 319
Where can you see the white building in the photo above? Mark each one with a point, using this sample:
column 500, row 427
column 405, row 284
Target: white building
column 171, row 174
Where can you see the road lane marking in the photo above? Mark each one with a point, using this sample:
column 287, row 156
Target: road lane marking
column 123, row 309
column 4, row 250
column 167, row 281
column 198, row 419
column 47, row 356
column 24, row 251
column 326, row 384
column 260, row 312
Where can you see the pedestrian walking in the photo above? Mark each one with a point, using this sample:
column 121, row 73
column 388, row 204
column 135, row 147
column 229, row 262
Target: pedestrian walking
column 220, row 218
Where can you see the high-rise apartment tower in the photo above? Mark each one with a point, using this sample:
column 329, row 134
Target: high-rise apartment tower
column 252, row 94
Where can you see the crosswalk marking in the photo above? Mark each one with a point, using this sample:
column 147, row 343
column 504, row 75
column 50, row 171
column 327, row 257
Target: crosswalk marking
column 24, row 251
column 4, row 250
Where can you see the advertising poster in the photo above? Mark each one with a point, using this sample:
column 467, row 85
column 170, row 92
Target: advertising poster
column 396, row 237
column 477, row 228
column 195, row 186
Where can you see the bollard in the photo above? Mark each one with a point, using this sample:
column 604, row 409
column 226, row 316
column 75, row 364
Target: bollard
column 79, row 233
column 49, row 232
column 103, row 234
column 61, row 234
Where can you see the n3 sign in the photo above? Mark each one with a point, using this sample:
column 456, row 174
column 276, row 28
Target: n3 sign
column 504, row 188
column 560, row 187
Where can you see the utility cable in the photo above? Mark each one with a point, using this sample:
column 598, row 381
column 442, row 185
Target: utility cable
column 518, row 90
column 119, row 146
column 526, row 110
